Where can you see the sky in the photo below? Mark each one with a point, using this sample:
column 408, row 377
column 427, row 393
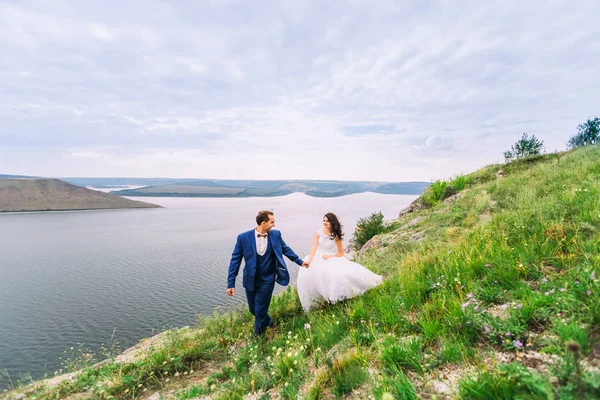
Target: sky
column 351, row 90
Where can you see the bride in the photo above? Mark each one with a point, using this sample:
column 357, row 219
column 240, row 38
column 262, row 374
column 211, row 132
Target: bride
column 331, row 276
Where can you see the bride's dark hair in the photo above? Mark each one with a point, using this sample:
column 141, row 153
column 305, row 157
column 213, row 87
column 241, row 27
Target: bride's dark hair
column 336, row 227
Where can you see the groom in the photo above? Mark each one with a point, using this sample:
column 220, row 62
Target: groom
column 262, row 250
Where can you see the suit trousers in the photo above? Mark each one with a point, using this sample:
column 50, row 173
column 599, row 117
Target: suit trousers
column 259, row 300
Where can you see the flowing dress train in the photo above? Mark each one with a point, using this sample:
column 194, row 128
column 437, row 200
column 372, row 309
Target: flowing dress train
column 334, row 279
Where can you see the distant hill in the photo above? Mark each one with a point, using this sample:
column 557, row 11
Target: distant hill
column 248, row 188
column 40, row 194
column 185, row 187
column 116, row 182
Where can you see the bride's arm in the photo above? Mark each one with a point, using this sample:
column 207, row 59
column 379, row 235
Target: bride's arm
column 340, row 249
column 313, row 249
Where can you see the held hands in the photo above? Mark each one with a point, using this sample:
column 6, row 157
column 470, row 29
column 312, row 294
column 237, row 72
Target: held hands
column 306, row 264
column 327, row 256
column 230, row 291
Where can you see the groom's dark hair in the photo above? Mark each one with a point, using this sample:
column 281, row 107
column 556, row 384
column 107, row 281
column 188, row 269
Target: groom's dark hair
column 263, row 216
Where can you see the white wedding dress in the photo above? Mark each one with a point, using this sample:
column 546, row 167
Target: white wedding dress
column 334, row 279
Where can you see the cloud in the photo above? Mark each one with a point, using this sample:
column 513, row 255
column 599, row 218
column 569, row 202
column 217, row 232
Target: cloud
column 435, row 143
column 86, row 154
column 362, row 130
column 101, row 32
column 204, row 89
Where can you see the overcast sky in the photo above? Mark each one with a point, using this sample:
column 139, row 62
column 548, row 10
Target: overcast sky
column 373, row 90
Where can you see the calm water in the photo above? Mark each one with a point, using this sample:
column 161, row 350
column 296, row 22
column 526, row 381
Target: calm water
column 77, row 277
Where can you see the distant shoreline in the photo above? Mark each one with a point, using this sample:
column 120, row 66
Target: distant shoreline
column 249, row 188
column 127, row 193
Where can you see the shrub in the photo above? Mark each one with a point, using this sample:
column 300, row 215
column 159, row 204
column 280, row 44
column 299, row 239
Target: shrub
column 368, row 227
column 441, row 190
column 460, row 182
column 435, row 193
column 437, row 190
column 524, row 147
column 449, row 191
column 589, row 133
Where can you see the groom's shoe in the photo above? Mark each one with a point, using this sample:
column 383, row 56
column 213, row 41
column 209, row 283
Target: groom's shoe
column 260, row 334
column 259, row 331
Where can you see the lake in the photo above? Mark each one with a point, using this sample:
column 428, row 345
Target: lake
column 78, row 279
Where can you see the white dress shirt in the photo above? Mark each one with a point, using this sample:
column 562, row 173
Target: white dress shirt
column 261, row 243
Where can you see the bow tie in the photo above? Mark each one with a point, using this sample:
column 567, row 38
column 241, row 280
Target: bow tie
column 261, row 235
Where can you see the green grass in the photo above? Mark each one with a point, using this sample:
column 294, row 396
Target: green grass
column 398, row 385
column 508, row 382
column 347, row 376
column 511, row 266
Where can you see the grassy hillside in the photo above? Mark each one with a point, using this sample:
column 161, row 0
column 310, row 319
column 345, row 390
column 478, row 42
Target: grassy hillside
column 492, row 294
column 56, row 195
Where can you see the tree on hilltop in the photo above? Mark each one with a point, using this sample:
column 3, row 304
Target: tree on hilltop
column 588, row 133
column 526, row 146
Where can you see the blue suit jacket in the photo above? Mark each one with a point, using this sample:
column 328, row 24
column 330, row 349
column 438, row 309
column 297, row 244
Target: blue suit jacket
column 245, row 248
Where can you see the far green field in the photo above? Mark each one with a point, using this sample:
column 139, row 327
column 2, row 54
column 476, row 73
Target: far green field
column 187, row 189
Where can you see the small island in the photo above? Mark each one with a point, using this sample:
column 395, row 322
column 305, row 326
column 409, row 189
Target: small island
column 41, row 194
